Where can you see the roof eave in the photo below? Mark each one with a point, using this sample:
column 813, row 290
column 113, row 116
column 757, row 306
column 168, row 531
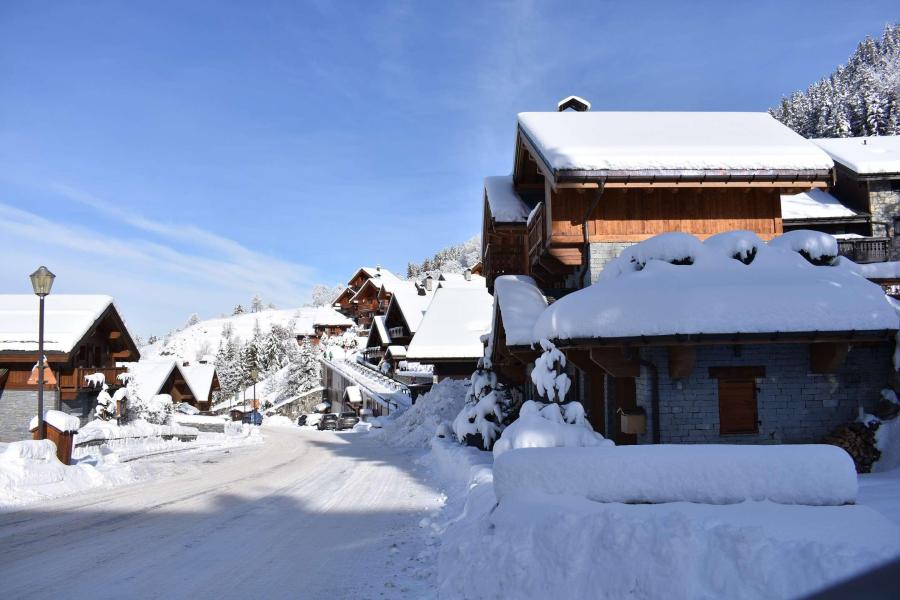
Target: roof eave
column 774, row 337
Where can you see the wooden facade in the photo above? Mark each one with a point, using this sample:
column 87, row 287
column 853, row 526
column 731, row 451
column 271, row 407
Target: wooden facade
column 106, row 343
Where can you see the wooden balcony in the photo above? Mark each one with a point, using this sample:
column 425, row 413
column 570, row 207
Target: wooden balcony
column 554, row 255
column 110, row 373
column 504, row 259
column 865, row 250
column 537, row 231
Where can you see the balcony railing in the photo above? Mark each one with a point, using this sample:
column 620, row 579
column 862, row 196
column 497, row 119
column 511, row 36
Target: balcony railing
column 537, row 232
column 110, row 375
column 504, row 260
column 865, row 250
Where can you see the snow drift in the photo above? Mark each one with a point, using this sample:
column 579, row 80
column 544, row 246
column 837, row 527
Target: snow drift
column 417, row 425
column 707, row 473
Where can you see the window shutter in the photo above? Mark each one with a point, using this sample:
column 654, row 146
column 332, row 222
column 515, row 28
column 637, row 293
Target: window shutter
column 737, row 406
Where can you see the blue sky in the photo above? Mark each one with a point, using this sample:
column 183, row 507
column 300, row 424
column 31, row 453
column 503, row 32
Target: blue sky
column 183, row 155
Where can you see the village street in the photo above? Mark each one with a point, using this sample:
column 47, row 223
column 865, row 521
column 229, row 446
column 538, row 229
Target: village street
column 306, row 514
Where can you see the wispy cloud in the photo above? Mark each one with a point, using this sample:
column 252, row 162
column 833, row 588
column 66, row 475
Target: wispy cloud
column 165, row 271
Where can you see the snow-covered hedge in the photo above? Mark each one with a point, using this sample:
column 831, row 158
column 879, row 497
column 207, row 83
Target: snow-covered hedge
column 707, row 473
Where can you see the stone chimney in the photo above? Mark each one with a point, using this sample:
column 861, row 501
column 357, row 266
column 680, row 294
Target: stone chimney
column 468, row 274
column 429, row 283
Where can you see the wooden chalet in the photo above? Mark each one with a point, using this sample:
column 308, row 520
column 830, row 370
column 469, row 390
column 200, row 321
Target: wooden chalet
column 193, row 384
column 361, row 308
column 596, row 182
column 867, row 180
column 396, row 327
column 84, row 334
column 314, row 323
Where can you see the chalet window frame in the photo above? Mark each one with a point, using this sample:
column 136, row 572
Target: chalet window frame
column 732, row 377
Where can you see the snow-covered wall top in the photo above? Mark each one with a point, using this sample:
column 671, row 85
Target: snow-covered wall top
column 669, row 141
column 813, row 204
column 67, row 318
column 642, row 293
column 864, row 155
column 505, row 204
column 521, row 303
column 453, row 325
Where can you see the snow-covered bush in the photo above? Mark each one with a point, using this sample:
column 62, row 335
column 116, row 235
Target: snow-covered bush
column 818, row 248
column 548, row 374
column 548, row 426
column 487, row 407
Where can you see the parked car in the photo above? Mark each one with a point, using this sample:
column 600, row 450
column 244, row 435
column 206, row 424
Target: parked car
column 253, row 418
column 347, row 420
column 328, row 421
column 301, row 420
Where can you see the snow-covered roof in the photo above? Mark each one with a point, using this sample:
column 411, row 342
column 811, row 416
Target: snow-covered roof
column 378, row 273
column 813, row 204
column 378, row 325
column 412, row 305
column 669, row 142
column 149, row 376
column 874, row 155
column 67, row 318
column 396, row 351
column 505, row 204
column 199, row 378
column 521, row 303
column 459, row 280
column 779, row 291
column 453, row 325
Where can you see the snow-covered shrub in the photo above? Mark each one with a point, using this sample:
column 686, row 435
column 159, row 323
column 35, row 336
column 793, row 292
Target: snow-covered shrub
column 740, row 245
column 548, row 374
column 548, row 426
column 818, row 248
column 481, row 420
column 155, row 410
column 674, row 247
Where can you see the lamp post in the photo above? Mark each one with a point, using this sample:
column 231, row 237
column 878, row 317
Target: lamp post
column 41, row 282
column 254, row 373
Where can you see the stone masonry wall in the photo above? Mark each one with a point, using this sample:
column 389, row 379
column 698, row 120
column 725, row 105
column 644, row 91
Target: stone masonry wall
column 793, row 405
column 884, row 204
column 17, row 408
column 603, row 252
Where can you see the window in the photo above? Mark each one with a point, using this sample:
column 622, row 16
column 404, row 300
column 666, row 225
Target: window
column 737, row 399
column 395, row 332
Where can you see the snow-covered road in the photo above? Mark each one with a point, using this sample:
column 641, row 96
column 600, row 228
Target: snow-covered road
column 307, row 514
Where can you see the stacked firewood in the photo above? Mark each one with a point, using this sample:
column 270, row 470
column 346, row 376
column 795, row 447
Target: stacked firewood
column 858, row 439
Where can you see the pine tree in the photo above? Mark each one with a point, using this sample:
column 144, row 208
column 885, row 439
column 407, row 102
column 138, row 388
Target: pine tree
column 192, row 320
column 256, row 304
column 304, row 372
column 238, row 310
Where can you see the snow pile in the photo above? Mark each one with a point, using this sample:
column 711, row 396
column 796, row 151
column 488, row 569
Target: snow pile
column 417, row 425
column 521, row 302
column 672, row 284
column 505, row 204
column 30, row 471
column 58, row 419
column 882, row 270
column 278, row 421
column 567, row 547
column 814, row 244
column 108, row 430
column 814, row 474
column 549, row 426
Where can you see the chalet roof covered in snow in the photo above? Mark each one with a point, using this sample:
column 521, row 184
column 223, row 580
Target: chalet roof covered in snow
column 67, row 319
column 814, row 204
column 379, row 273
column 378, row 325
column 453, row 325
column 149, row 376
column 459, row 280
column 874, row 155
column 521, row 302
column 412, row 304
column 309, row 317
column 505, row 204
column 643, row 294
column 199, row 377
column 661, row 144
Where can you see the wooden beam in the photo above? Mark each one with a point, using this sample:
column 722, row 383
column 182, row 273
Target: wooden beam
column 696, row 184
column 121, row 354
column 827, row 358
column 618, row 362
column 681, row 361
column 115, row 335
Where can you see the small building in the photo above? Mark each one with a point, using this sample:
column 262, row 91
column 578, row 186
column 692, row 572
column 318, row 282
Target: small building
column 320, row 321
column 184, row 382
column 345, row 304
column 867, row 179
column 710, row 344
column 84, row 334
column 449, row 335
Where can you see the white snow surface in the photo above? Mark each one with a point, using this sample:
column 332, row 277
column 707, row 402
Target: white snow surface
column 669, row 141
column 881, row 270
column 521, row 302
column 59, row 419
column 873, row 155
column 412, row 305
column 417, row 425
column 813, row 204
column 778, row 292
column 149, row 376
column 67, row 318
column 453, row 325
column 810, row 474
column 814, row 243
column 537, row 431
column 505, row 204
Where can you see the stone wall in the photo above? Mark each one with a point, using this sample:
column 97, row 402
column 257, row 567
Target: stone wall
column 601, row 253
column 793, row 405
column 884, row 204
column 17, row 408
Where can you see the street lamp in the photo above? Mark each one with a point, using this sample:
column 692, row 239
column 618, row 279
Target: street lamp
column 254, row 373
column 41, row 282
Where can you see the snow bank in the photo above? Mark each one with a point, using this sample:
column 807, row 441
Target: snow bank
column 536, row 429
column 109, row 430
column 708, row 291
column 707, row 473
column 59, row 419
column 417, row 425
column 278, row 421
column 565, row 547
